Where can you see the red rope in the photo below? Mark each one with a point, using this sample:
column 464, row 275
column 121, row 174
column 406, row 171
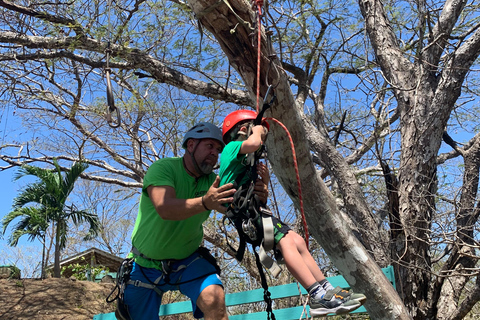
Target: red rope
column 259, row 4
column 259, row 47
column 304, row 221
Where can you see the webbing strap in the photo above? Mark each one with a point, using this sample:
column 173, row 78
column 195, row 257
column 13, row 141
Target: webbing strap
column 138, row 253
column 268, row 243
column 165, row 263
column 268, row 231
column 138, row 283
column 269, row 263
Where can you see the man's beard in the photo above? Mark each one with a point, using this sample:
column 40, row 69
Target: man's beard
column 206, row 168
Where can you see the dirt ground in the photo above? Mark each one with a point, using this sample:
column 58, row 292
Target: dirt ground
column 53, row 299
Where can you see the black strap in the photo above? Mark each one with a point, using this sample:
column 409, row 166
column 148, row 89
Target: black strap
column 243, row 208
column 202, row 252
column 205, row 253
column 266, row 294
column 266, row 105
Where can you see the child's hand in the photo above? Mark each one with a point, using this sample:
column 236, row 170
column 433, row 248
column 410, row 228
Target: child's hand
column 260, row 130
column 263, row 173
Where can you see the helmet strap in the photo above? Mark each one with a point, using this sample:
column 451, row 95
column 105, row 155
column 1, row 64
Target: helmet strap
column 194, row 161
column 236, row 132
column 249, row 128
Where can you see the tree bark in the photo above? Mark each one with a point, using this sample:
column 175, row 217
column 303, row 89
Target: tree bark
column 426, row 96
column 325, row 220
column 56, row 263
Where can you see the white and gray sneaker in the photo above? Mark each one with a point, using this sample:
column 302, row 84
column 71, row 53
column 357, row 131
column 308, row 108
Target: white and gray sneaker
column 334, row 301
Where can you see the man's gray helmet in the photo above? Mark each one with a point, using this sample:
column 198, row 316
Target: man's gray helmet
column 203, row 130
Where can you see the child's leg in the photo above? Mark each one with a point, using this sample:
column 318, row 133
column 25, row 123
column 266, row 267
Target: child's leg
column 304, row 268
column 317, row 273
column 298, row 260
column 306, row 256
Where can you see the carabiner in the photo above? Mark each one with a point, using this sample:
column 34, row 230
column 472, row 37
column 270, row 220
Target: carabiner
column 266, row 105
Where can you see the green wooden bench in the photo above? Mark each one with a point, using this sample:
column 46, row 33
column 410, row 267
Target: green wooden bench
column 251, row 296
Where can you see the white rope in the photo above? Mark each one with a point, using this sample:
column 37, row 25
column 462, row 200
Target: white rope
column 304, row 311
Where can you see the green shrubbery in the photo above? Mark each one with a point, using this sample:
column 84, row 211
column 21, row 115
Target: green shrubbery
column 83, row 271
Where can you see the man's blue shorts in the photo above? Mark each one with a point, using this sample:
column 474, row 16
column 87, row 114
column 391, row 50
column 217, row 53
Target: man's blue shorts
column 144, row 303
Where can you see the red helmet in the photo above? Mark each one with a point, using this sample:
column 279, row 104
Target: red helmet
column 236, row 117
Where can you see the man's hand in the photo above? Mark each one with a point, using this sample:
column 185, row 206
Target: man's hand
column 261, row 186
column 216, row 197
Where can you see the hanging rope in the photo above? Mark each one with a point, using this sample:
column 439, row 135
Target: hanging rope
column 110, row 101
column 259, row 4
column 266, row 105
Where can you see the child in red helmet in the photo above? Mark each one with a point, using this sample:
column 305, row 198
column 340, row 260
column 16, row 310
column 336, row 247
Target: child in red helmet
column 241, row 138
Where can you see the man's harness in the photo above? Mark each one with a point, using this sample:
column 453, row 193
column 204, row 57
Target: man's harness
column 123, row 277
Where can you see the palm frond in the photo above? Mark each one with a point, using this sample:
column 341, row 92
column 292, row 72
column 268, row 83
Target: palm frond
column 33, row 222
column 71, row 176
column 45, row 175
column 47, row 204
column 30, row 194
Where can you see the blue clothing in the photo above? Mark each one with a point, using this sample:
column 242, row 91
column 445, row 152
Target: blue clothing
column 144, row 303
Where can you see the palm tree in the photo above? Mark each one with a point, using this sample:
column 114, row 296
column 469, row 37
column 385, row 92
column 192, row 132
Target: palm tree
column 43, row 203
column 33, row 223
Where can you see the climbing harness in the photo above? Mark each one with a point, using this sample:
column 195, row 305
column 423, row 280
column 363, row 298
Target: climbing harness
column 167, row 265
column 250, row 217
column 246, row 211
column 123, row 277
column 111, row 108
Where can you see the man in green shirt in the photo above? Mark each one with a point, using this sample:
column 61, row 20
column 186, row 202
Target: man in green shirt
column 177, row 197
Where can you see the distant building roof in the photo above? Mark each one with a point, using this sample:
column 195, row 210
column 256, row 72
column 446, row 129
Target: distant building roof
column 95, row 257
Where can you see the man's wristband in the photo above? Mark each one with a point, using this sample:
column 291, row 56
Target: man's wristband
column 203, row 202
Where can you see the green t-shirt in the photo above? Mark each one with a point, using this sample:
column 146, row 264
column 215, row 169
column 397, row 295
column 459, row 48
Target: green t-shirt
column 166, row 239
column 232, row 164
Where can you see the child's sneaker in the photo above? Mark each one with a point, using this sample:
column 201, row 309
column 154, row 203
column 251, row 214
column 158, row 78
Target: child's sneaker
column 349, row 295
column 332, row 303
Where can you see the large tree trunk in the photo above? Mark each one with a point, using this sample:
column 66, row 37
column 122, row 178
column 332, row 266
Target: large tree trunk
column 328, row 225
column 426, row 95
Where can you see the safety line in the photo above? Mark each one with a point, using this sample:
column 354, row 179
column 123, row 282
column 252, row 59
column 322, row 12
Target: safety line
column 259, row 4
column 300, row 198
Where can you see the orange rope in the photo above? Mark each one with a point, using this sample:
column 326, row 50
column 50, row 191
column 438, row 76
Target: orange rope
column 259, row 51
column 304, row 221
column 259, row 4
